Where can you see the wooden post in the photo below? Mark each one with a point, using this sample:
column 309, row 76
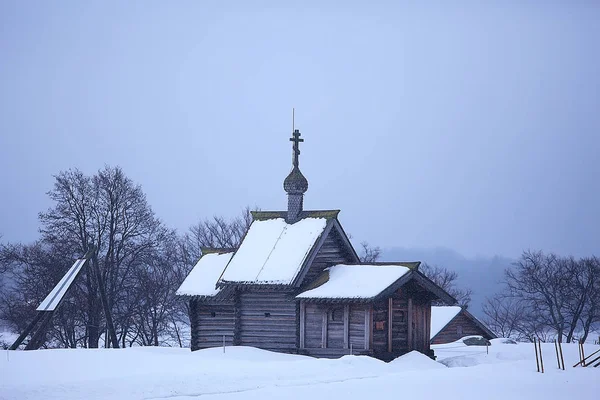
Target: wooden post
column 346, row 325
column 541, row 358
column 302, row 323
column 562, row 360
column 371, row 327
column 410, row 318
column 582, row 356
column 390, row 318
column 27, row 330
column 237, row 318
column 324, row 331
column 367, row 328
column 537, row 358
column 428, row 327
column 557, row 356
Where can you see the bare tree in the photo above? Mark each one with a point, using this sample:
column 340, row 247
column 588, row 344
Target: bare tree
column 369, row 253
column 540, row 280
column 109, row 211
column 506, row 316
column 217, row 232
column 446, row 279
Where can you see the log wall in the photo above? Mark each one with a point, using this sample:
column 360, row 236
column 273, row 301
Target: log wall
column 267, row 319
column 332, row 252
column 336, row 327
column 210, row 323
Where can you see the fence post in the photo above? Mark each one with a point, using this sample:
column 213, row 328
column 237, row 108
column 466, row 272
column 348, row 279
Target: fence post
column 223, row 344
column 537, row 360
column 541, row 358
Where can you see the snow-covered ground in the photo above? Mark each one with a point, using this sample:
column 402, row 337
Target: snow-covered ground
column 507, row 372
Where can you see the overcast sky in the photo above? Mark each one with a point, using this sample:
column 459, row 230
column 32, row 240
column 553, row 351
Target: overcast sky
column 469, row 127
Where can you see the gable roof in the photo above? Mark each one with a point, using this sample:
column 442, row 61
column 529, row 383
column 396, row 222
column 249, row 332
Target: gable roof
column 441, row 316
column 273, row 252
column 203, row 277
column 356, row 281
column 349, row 282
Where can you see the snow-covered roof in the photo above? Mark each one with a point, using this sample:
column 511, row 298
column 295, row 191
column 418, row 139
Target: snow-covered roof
column 203, row 278
column 59, row 291
column 356, row 281
column 273, row 251
column 441, row 316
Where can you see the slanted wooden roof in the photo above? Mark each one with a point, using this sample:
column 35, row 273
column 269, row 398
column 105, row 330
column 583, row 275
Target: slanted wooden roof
column 441, row 316
column 273, row 251
column 355, row 281
column 379, row 280
column 202, row 279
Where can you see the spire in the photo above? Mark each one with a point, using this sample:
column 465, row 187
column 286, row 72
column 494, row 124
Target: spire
column 295, row 184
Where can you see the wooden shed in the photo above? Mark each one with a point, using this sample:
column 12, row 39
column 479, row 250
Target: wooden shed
column 450, row 323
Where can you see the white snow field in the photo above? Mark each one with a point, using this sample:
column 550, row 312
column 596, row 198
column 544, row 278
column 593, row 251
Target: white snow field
column 507, row 372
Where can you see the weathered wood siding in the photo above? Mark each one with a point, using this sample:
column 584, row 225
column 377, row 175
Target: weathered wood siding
column 380, row 326
column 399, row 323
column 409, row 329
column 313, row 327
column 329, row 331
column 267, row 319
column 210, row 323
column 332, row 252
column 451, row 332
column 357, row 327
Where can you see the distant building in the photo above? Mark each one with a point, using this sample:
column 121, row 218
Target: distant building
column 450, row 323
column 296, row 285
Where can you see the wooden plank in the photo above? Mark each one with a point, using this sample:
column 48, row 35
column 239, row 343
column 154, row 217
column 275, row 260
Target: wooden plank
column 302, row 323
column 371, row 326
column 346, row 326
column 390, row 318
column 410, row 318
column 324, row 330
column 367, row 328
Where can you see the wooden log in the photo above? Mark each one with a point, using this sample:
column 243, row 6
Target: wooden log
column 324, row 331
column 302, row 323
column 346, row 326
column 410, row 324
column 390, row 318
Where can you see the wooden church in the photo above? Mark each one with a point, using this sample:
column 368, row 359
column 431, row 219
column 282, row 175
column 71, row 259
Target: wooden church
column 295, row 284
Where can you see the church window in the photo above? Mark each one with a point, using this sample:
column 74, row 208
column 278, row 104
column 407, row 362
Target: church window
column 459, row 330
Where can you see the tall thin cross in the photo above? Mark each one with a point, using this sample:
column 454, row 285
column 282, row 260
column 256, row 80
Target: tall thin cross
column 296, row 139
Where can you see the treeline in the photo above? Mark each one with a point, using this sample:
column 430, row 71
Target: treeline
column 548, row 297
column 142, row 263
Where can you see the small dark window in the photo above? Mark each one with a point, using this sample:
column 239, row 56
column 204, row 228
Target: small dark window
column 267, row 314
column 336, row 314
column 459, row 330
column 401, row 316
column 213, row 314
